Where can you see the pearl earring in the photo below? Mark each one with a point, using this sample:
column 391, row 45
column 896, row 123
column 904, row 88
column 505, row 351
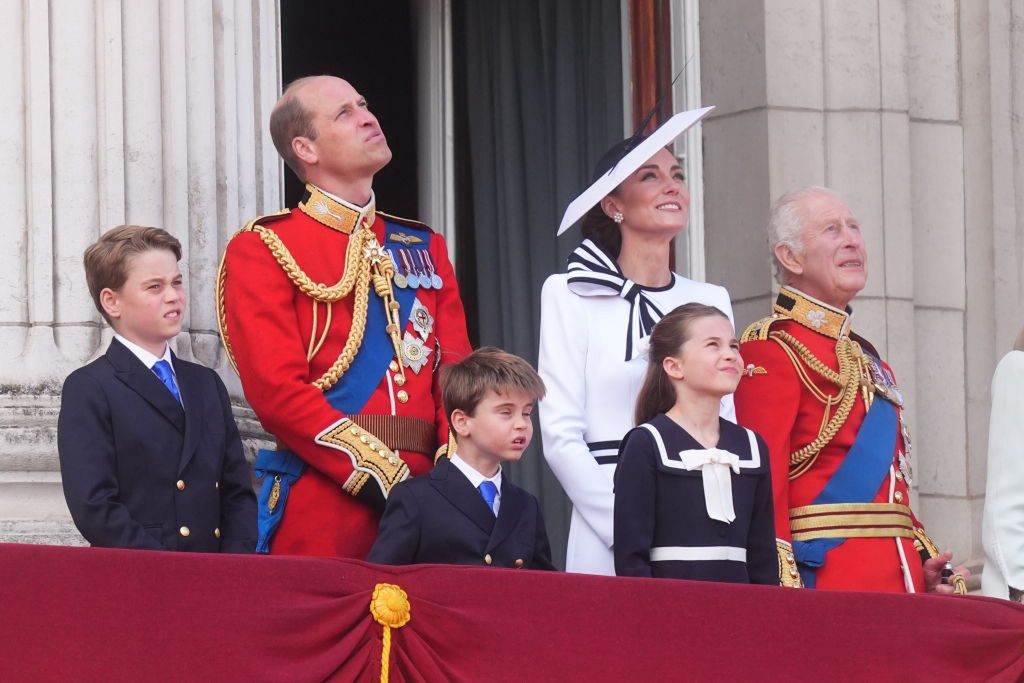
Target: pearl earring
column 618, row 217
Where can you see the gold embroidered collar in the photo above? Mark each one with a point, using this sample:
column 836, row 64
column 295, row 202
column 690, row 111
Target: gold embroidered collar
column 811, row 313
column 335, row 212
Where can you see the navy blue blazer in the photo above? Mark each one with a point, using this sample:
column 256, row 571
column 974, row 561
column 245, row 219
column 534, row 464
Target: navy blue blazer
column 440, row 518
column 139, row 471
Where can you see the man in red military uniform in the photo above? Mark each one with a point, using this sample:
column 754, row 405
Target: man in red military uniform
column 831, row 413
column 337, row 318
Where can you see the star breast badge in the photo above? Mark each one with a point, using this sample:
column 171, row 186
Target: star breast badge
column 414, row 352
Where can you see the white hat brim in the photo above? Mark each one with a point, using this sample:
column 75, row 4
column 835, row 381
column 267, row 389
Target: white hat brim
column 665, row 134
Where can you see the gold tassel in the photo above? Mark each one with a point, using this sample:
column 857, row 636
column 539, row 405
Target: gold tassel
column 390, row 608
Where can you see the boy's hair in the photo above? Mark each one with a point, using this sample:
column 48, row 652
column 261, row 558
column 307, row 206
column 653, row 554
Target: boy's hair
column 106, row 260
column 464, row 384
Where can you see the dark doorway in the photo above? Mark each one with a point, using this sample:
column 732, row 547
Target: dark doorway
column 371, row 45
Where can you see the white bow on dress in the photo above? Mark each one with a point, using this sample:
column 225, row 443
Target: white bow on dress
column 714, row 465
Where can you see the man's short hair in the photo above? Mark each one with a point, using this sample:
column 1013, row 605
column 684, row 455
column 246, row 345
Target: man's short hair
column 290, row 119
column 107, row 260
column 464, row 384
column 786, row 225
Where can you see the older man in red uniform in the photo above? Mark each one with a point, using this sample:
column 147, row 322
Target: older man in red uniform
column 831, row 413
column 337, row 318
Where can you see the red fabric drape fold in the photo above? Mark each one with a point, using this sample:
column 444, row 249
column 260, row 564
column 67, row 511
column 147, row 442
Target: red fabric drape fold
column 94, row 614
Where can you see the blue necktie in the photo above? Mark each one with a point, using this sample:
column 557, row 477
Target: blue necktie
column 489, row 491
column 163, row 370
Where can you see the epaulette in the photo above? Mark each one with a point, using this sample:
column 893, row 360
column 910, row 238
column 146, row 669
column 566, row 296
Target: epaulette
column 759, row 330
column 405, row 221
column 222, row 323
column 265, row 220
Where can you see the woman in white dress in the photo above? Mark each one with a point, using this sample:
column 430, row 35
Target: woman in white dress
column 1002, row 526
column 595, row 319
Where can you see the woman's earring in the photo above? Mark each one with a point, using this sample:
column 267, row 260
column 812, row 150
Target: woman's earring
column 618, row 217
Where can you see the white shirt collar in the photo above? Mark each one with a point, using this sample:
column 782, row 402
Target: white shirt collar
column 148, row 359
column 475, row 477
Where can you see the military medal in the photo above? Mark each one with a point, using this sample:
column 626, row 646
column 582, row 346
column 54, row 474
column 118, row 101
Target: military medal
column 421, row 319
column 411, row 277
column 421, row 270
column 414, row 353
column 885, row 385
column 435, row 279
column 905, row 469
column 399, row 277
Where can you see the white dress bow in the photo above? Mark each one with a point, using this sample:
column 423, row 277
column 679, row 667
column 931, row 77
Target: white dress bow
column 714, row 465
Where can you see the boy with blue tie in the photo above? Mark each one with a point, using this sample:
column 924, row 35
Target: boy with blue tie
column 465, row 511
column 150, row 454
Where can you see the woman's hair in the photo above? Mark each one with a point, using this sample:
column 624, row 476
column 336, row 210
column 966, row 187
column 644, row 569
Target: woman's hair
column 604, row 232
column 657, row 395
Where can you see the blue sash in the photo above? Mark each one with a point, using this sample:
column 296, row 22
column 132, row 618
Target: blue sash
column 349, row 395
column 855, row 481
column 286, row 467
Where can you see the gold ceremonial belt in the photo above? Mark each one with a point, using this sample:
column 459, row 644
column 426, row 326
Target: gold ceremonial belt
column 851, row 520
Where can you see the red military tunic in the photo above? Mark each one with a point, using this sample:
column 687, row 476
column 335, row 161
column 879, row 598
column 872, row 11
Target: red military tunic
column 881, row 550
column 282, row 343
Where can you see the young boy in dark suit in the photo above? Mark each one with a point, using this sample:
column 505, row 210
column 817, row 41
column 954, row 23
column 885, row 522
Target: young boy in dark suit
column 150, row 455
column 465, row 511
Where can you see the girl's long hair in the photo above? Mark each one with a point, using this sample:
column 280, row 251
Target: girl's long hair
column 657, row 395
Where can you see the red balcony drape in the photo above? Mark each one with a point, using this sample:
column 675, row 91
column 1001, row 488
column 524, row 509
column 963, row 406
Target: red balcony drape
column 91, row 614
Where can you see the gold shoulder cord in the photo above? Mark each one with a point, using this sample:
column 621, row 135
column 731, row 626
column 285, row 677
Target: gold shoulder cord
column 851, row 376
column 365, row 262
column 222, row 320
column 758, row 331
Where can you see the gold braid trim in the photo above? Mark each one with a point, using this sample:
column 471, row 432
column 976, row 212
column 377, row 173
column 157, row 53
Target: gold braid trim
column 357, row 243
column 758, row 331
column 365, row 262
column 851, row 375
column 369, row 456
column 789, row 575
column 222, row 316
column 925, row 543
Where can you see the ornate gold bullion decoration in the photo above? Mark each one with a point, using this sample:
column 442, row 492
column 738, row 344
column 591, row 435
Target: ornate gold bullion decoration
column 324, row 209
column 925, row 543
column 752, row 370
column 366, row 263
column 369, row 456
column 758, row 331
column 355, row 483
column 402, row 238
column 789, row 575
column 275, row 493
column 853, row 377
column 811, row 313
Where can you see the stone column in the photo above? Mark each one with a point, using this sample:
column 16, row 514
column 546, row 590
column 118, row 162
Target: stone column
column 116, row 111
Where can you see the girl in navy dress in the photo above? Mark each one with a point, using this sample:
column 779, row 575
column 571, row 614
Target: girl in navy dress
column 693, row 491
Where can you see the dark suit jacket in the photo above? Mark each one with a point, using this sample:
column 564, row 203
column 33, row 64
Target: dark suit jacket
column 439, row 518
column 139, row 471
